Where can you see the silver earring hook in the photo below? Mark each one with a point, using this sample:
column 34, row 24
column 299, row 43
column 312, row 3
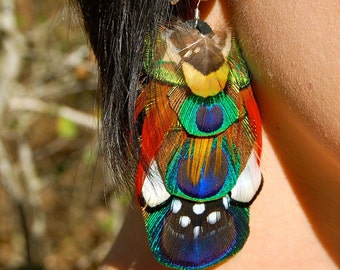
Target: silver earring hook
column 197, row 13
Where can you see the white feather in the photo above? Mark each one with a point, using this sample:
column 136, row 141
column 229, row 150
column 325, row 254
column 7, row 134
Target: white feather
column 153, row 190
column 248, row 182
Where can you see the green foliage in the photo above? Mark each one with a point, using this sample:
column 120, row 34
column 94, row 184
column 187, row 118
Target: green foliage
column 66, row 129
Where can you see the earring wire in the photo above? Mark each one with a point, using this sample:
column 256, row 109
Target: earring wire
column 197, row 13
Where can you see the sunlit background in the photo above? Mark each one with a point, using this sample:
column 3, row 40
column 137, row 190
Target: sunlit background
column 53, row 212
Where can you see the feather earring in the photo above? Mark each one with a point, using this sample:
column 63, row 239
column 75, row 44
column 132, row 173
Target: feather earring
column 200, row 146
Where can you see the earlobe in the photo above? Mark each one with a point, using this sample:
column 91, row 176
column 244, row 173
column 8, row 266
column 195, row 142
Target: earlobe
column 217, row 14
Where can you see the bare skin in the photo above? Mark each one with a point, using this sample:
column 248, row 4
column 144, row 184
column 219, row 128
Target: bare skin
column 292, row 48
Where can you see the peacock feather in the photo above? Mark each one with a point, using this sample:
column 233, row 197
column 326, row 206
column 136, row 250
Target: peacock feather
column 200, row 146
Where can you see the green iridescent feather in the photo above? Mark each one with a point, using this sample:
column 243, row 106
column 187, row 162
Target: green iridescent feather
column 188, row 114
column 161, row 70
column 238, row 73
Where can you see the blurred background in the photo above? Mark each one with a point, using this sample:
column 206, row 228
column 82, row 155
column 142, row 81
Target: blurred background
column 53, row 210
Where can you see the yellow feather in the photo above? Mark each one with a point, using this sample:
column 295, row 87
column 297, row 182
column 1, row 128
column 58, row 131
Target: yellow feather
column 205, row 85
column 200, row 150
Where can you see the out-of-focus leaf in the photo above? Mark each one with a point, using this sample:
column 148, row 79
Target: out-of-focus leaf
column 66, row 129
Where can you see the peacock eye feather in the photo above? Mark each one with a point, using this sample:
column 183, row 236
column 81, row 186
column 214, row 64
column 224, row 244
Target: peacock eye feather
column 200, row 146
column 184, row 234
